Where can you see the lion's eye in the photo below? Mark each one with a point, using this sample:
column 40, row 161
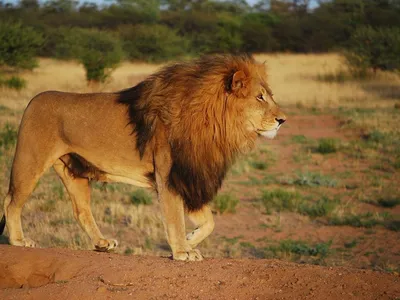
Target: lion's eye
column 260, row 97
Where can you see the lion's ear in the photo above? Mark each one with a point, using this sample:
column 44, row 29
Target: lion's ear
column 239, row 84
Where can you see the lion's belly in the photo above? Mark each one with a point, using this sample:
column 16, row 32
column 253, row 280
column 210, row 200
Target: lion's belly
column 104, row 138
column 118, row 168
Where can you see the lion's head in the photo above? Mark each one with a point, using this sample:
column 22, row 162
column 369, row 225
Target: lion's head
column 213, row 108
column 252, row 94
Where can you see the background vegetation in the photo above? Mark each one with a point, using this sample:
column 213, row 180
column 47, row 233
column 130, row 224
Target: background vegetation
column 100, row 35
column 325, row 191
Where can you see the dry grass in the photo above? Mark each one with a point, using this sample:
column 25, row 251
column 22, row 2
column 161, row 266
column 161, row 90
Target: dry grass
column 294, row 79
column 70, row 76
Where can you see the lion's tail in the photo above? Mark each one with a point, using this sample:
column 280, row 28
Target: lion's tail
column 2, row 224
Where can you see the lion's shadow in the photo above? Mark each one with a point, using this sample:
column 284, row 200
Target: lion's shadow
column 383, row 90
column 4, row 240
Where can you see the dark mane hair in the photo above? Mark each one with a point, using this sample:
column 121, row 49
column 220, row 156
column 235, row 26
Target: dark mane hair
column 199, row 106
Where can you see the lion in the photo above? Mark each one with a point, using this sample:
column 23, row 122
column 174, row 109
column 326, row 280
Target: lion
column 177, row 132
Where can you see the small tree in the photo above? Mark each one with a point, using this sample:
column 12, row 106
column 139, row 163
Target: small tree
column 376, row 49
column 62, row 43
column 99, row 52
column 153, row 43
column 18, row 45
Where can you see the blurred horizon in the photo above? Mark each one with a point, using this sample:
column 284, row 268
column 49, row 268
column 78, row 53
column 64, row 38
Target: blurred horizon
column 311, row 4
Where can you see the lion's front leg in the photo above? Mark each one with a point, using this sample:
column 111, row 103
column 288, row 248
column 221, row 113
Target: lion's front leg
column 204, row 222
column 174, row 223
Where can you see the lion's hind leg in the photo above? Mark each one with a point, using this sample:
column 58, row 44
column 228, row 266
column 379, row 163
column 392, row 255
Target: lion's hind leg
column 204, row 222
column 26, row 171
column 79, row 191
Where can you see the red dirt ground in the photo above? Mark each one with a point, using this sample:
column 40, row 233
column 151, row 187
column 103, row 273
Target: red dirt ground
column 67, row 274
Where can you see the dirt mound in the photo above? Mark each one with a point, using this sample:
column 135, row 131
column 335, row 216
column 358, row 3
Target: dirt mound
column 65, row 274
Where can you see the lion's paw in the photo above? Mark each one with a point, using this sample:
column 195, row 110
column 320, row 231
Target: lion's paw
column 25, row 242
column 191, row 255
column 105, row 245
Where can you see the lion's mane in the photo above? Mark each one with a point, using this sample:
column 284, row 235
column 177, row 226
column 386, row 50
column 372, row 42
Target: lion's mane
column 203, row 116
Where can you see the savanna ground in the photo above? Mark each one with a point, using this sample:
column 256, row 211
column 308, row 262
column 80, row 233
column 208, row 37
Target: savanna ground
column 325, row 191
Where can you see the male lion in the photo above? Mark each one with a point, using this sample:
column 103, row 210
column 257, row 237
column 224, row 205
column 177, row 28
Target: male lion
column 177, row 132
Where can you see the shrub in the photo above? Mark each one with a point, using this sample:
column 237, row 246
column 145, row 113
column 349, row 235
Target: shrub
column 301, row 248
column 389, row 201
column 152, row 43
column 8, row 136
column 280, row 200
column 321, row 208
column 376, row 49
column 375, row 136
column 62, row 43
column 257, row 34
column 141, row 196
column 367, row 220
column 211, row 32
column 327, row 145
column 225, row 203
column 313, row 179
column 100, row 53
column 259, row 165
column 15, row 82
column 18, row 45
column 300, row 139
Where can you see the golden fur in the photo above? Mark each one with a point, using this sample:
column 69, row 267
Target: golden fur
column 189, row 122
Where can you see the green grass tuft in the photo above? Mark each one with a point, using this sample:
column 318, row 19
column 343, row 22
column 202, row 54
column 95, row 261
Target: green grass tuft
column 351, row 244
column 366, row 220
column 141, row 196
column 327, row 145
column 389, row 202
column 313, row 179
column 225, row 203
column 301, row 248
column 259, row 165
column 300, row 139
column 320, row 208
column 15, row 82
column 280, row 200
column 8, row 136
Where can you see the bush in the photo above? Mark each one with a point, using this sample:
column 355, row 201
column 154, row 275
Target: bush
column 62, row 43
column 140, row 196
column 376, row 49
column 313, row 179
column 259, row 165
column 301, row 248
column 100, row 53
column 320, row 208
column 225, row 203
column 15, row 82
column 18, row 45
column 280, row 200
column 257, row 34
column 152, row 43
column 226, row 35
column 327, row 145
column 8, row 136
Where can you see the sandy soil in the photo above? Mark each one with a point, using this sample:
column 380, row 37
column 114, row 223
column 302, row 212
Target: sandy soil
column 67, row 274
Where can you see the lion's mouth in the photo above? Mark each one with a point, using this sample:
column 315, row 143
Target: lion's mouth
column 269, row 134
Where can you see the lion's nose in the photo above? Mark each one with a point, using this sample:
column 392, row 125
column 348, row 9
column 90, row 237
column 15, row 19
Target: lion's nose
column 280, row 121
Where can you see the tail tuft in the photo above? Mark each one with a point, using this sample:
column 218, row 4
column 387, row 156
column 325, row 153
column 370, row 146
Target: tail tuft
column 2, row 224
